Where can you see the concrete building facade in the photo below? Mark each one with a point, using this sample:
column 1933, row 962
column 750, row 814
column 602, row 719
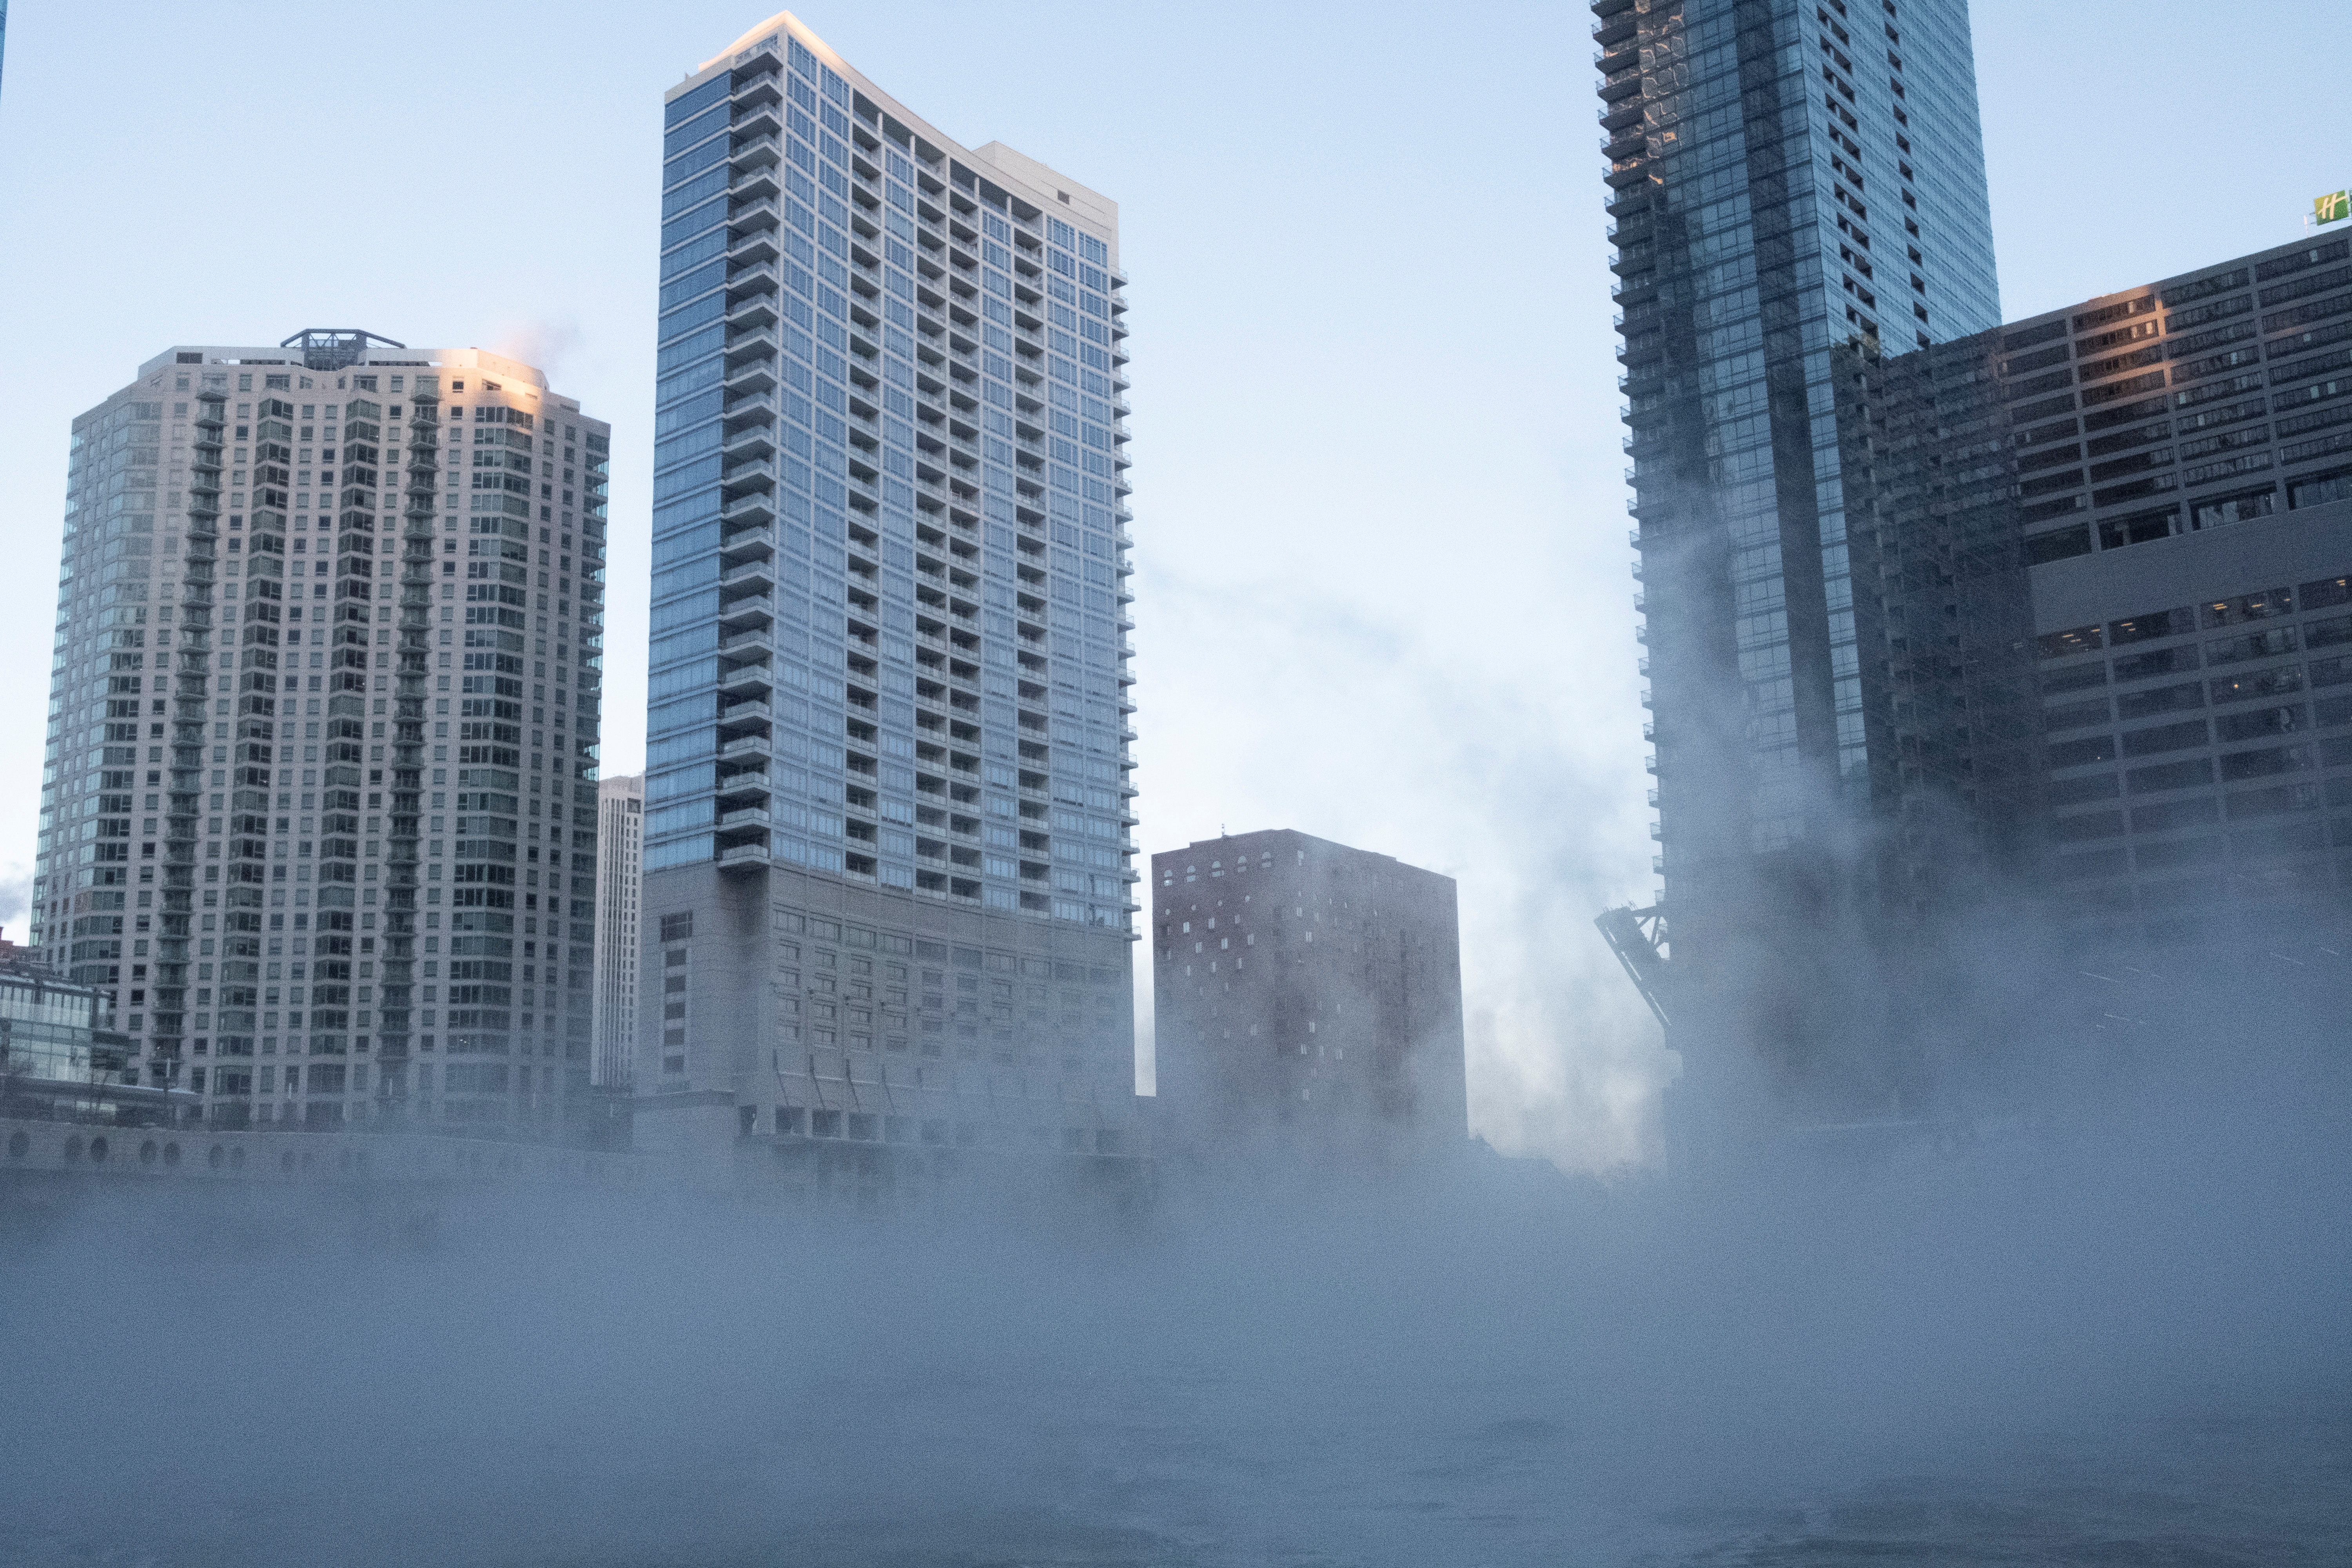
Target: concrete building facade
column 323, row 720
column 2142, row 648
column 620, row 939
column 1307, row 996
column 887, row 891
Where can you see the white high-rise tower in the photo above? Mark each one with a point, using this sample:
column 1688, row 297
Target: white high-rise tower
column 620, row 879
column 319, row 810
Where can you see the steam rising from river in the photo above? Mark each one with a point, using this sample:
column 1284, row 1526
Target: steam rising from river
column 2117, row 1318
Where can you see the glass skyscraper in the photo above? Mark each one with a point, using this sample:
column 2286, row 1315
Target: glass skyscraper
column 887, row 888
column 1792, row 183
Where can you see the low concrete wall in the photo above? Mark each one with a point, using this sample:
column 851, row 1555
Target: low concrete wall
column 200, row 1153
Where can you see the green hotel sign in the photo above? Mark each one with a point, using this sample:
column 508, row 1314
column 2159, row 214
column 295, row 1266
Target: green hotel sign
column 2334, row 207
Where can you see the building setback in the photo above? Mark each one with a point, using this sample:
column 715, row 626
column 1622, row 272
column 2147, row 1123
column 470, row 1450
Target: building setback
column 323, row 719
column 887, row 890
column 1306, row 995
column 620, row 941
column 1785, row 180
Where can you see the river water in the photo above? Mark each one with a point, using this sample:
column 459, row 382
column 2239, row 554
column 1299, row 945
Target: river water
column 2072, row 1350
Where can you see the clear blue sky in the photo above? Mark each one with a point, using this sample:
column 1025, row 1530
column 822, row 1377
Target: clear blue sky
column 1384, row 587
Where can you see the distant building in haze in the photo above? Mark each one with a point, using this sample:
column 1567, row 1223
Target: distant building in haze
column 1307, row 996
column 620, row 879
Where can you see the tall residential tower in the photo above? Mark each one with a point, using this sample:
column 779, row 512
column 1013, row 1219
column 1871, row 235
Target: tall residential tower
column 620, row 938
column 1788, row 180
column 322, row 721
column 887, row 890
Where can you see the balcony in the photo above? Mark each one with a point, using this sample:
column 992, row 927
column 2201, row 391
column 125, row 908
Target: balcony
column 745, row 613
column 756, row 218
column 757, row 475
column 756, row 83
column 752, row 577
column 758, row 347
column 747, row 544
column 756, row 247
column 759, row 405
column 743, row 644
column 745, row 746
column 757, row 277
column 757, row 510
column 748, row 818
column 757, row 119
column 746, row 678
column 751, row 443
column 744, row 857
column 759, row 181
column 757, row 312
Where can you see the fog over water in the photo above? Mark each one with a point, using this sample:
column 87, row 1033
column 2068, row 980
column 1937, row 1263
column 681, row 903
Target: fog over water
column 2111, row 1331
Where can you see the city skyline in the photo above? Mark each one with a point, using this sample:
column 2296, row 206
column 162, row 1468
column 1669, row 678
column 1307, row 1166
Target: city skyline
column 1209, row 630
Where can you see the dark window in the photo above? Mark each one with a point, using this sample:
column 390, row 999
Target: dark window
column 2239, row 766
column 2116, row 533
column 678, row 928
column 2074, row 679
column 2154, row 623
column 2327, row 591
column 2163, row 661
column 2245, row 507
column 2075, row 715
column 2251, row 644
column 2276, row 801
column 2180, row 852
column 2166, row 738
column 2134, row 705
column 2074, row 792
column 2075, row 639
column 2090, row 863
column 2319, row 489
column 2169, row 775
column 2123, row 440
column 2260, row 723
column 2080, row 753
column 2175, row 814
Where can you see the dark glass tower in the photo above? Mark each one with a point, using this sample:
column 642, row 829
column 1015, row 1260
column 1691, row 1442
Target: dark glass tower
column 1793, row 187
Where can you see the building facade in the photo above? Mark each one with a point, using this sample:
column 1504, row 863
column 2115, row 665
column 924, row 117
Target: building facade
column 61, row 1058
column 323, row 719
column 2135, row 508
column 1307, row 996
column 887, row 893
column 620, row 882
column 1790, row 181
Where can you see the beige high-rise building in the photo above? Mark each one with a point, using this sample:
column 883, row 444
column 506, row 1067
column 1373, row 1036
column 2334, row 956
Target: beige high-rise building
column 319, row 814
column 620, row 879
